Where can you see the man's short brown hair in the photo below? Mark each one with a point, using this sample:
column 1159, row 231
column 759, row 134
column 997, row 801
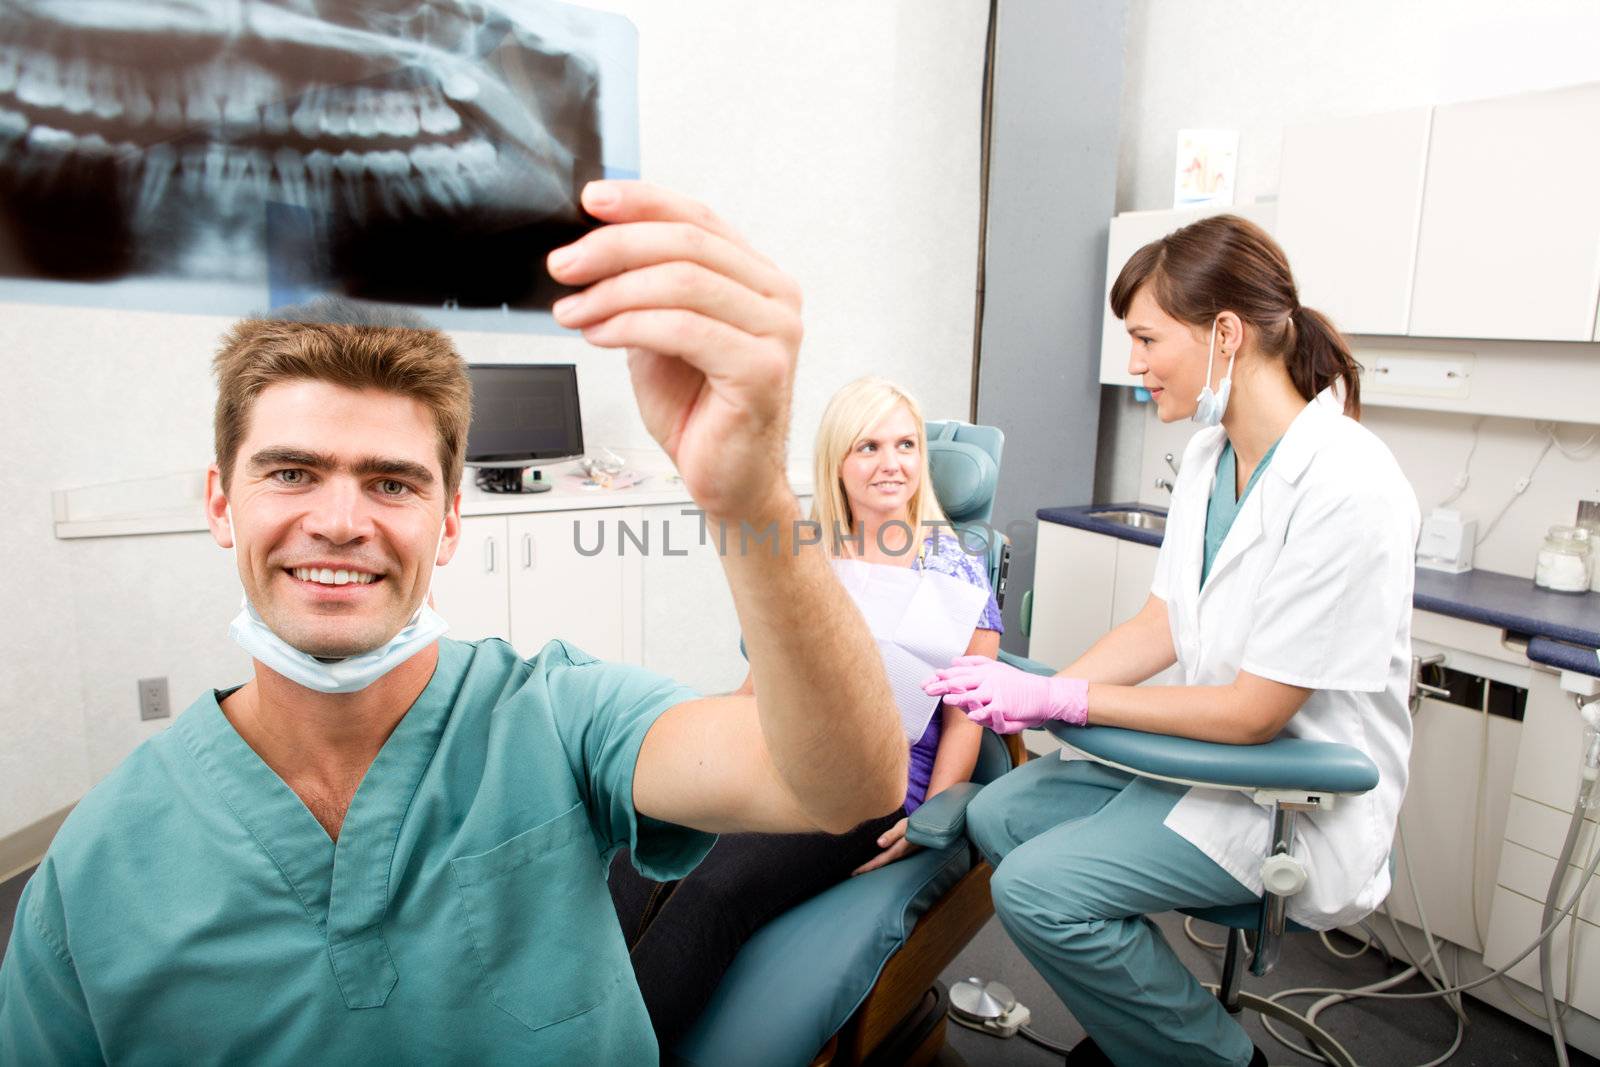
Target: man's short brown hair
column 354, row 345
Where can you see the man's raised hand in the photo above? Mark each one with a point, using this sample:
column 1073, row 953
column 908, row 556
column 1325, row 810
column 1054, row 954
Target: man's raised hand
column 712, row 330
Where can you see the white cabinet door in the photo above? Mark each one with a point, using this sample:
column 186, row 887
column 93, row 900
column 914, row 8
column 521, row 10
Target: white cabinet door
column 1510, row 238
column 1131, row 231
column 470, row 590
column 1441, row 815
column 570, row 578
column 1349, row 206
column 1073, row 574
column 1136, row 569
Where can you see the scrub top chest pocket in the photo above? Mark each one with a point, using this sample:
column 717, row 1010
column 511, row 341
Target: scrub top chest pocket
column 533, row 907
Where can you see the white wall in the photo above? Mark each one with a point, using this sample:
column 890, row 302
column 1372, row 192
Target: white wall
column 841, row 138
column 1257, row 66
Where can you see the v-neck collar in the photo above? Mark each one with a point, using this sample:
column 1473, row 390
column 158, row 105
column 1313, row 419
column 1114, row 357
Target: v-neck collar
column 343, row 886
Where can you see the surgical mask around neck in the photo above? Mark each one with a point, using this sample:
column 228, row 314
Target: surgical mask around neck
column 1209, row 406
column 350, row 674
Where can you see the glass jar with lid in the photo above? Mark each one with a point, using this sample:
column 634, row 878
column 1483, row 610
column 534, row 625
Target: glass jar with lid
column 1566, row 560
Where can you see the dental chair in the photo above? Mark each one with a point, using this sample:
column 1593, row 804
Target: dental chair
column 1287, row 775
column 850, row 976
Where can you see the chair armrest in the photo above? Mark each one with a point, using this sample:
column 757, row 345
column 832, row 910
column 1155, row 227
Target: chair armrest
column 941, row 821
column 1023, row 663
column 1286, row 763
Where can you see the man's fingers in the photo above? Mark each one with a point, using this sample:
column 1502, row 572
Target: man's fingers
column 678, row 284
column 615, row 200
column 714, row 348
column 614, row 249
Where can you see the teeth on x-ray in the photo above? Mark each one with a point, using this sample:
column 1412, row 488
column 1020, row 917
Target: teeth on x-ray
column 171, row 145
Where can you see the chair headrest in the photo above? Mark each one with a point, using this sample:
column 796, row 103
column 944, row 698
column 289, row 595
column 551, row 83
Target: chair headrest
column 964, row 475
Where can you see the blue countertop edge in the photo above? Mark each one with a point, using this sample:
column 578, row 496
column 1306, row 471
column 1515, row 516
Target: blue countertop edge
column 1503, row 601
column 1565, row 657
column 1079, row 518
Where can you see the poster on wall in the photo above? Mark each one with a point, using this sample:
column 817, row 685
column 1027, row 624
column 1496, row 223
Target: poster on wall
column 1207, row 160
column 225, row 158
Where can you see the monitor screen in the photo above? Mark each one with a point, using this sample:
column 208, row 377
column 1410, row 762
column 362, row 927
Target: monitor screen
column 524, row 412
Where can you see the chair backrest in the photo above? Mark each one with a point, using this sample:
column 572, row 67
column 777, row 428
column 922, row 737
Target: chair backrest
column 964, row 470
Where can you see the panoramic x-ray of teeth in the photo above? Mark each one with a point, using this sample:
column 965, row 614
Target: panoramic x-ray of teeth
column 203, row 154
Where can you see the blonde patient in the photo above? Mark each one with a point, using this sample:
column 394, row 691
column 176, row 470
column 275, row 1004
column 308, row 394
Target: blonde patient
column 874, row 502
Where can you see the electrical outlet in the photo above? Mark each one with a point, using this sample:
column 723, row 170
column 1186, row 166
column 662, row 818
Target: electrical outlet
column 153, row 701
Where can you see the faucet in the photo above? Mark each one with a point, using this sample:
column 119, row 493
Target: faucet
column 1163, row 483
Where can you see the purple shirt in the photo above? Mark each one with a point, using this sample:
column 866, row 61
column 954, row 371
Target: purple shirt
column 946, row 556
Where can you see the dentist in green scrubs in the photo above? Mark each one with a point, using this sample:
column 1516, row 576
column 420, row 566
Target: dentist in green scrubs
column 390, row 847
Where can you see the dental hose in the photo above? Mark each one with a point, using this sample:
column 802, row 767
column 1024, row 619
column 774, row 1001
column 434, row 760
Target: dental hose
column 1588, row 800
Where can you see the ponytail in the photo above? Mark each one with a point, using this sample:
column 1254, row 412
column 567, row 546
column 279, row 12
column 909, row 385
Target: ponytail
column 1320, row 358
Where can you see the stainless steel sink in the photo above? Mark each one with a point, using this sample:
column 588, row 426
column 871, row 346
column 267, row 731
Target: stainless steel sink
column 1138, row 520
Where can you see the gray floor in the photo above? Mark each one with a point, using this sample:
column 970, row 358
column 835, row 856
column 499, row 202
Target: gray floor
column 1377, row 1033
column 1383, row 1034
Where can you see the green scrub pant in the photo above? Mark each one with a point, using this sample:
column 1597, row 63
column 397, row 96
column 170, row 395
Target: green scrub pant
column 1081, row 858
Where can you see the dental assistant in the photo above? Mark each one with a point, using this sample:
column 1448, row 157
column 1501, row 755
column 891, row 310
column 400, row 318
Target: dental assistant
column 1282, row 592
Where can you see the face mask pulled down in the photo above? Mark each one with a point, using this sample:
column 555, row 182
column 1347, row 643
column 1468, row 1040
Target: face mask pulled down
column 1209, row 406
column 348, row 675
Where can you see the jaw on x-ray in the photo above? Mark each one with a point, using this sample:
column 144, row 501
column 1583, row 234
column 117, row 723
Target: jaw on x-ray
column 426, row 152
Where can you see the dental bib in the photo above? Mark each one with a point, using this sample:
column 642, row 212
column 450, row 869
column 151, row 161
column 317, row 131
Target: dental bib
column 349, row 675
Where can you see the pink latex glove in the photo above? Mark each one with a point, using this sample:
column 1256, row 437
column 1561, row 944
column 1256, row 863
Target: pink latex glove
column 1007, row 700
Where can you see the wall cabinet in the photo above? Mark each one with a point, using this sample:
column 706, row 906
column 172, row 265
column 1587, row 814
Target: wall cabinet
column 1509, row 245
column 1131, row 231
column 524, row 578
column 1349, row 207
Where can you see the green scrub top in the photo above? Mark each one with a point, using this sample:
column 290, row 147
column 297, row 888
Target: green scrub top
column 1223, row 507
column 193, row 911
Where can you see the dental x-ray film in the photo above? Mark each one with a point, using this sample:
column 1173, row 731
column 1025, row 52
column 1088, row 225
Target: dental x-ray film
column 220, row 157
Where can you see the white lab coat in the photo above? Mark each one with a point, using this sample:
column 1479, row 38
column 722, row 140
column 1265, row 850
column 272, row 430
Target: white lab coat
column 1312, row 587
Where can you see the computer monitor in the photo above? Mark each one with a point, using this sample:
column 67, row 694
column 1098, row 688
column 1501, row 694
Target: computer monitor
column 523, row 415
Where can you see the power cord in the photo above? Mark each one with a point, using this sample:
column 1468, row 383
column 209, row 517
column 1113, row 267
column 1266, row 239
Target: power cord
column 1466, row 465
column 1587, row 450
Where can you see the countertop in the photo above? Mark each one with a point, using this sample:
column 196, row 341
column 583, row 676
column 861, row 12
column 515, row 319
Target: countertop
column 1503, row 601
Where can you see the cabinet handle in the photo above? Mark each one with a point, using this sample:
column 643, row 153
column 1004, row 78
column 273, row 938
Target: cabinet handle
column 488, row 555
column 527, row 551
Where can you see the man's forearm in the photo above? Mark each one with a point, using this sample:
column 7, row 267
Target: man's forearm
column 827, row 714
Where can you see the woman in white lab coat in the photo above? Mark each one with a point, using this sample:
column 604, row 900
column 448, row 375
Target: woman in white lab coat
column 1283, row 594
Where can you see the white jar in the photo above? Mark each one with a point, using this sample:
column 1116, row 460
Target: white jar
column 1566, row 560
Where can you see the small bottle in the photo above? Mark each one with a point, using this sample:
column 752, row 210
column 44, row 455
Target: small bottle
column 1566, row 560
column 1589, row 519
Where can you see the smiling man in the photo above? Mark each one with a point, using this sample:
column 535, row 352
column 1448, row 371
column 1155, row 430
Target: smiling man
column 391, row 847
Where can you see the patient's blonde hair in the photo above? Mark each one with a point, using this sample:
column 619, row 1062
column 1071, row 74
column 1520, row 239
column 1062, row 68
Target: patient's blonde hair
column 851, row 412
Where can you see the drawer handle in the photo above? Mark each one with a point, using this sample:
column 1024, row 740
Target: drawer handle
column 488, row 555
column 527, row 551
